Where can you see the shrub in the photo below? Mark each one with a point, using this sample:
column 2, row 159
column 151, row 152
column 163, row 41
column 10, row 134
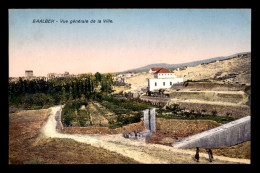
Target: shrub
column 247, row 88
column 214, row 113
column 175, row 108
column 69, row 116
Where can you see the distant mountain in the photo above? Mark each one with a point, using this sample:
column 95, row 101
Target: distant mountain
column 174, row 66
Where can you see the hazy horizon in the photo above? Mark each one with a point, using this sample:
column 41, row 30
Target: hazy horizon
column 136, row 38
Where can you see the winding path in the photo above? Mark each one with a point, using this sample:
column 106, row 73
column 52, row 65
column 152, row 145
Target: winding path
column 136, row 149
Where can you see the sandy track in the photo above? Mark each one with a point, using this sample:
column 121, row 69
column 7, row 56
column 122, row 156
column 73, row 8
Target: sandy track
column 138, row 150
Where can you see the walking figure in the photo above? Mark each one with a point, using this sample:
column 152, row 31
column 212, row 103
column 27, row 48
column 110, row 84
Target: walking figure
column 210, row 155
column 197, row 155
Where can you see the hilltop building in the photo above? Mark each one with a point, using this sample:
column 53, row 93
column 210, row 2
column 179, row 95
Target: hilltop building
column 163, row 78
column 28, row 73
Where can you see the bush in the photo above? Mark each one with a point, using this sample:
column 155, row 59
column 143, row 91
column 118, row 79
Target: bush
column 69, row 116
column 214, row 113
column 247, row 88
column 175, row 108
column 124, row 105
column 123, row 120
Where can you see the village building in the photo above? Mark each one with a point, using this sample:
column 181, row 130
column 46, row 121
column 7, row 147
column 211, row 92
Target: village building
column 163, row 78
column 28, row 73
column 51, row 75
column 66, row 74
column 61, row 75
column 119, row 75
column 128, row 74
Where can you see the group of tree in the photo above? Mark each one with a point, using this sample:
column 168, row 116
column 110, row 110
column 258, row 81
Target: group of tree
column 39, row 92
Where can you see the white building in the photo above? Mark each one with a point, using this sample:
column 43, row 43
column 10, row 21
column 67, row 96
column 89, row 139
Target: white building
column 119, row 75
column 128, row 74
column 163, row 79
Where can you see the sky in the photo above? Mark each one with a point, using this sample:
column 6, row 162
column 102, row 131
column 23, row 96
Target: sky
column 135, row 38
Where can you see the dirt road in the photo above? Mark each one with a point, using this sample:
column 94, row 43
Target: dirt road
column 135, row 149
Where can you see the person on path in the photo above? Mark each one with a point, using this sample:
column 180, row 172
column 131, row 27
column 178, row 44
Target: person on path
column 197, row 155
column 210, row 155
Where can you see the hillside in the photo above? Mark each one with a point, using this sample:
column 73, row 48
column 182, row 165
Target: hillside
column 234, row 70
column 174, row 66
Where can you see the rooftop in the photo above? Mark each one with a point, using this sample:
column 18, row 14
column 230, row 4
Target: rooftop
column 163, row 70
column 155, row 69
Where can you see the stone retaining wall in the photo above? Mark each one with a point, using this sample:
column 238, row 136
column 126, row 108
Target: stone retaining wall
column 232, row 97
column 208, row 86
column 229, row 134
column 236, row 111
column 160, row 101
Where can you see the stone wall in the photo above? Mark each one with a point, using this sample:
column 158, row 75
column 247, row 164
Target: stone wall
column 149, row 124
column 228, row 134
column 160, row 101
column 149, row 119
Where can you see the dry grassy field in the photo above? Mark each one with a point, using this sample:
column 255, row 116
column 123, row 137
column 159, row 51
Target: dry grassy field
column 26, row 146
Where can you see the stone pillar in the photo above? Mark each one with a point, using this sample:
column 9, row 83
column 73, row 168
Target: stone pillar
column 152, row 120
column 146, row 119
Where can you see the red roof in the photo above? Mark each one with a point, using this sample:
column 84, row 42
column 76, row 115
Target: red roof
column 155, row 69
column 163, row 70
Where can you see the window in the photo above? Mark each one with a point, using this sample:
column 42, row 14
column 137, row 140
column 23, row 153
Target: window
column 163, row 83
column 155, row 84
column 170, row 83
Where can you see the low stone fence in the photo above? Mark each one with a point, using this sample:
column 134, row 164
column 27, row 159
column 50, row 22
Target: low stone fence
column 160, row 101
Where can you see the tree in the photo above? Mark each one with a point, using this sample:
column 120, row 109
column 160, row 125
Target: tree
column 82, row 98
column 71, row 94
column 63, row 98
column 98, row 77
column 109, row 77
column 75, row 89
